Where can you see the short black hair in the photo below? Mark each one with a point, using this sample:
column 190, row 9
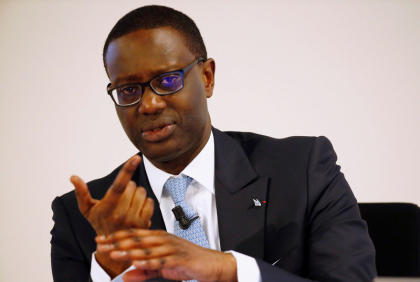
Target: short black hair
column 154, row 16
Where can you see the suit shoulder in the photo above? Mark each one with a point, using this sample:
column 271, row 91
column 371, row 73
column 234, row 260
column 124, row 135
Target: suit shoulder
column 256, row 143
column 246, row 137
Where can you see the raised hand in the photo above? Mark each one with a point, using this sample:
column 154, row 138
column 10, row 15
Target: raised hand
column 158, row 253
column 123, row 206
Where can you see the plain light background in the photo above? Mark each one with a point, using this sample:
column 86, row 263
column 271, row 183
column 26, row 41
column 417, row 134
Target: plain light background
column 348, row 70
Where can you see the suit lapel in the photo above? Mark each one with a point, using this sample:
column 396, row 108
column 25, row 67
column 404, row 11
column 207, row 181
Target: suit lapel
column 241, row 223
column 142, row 180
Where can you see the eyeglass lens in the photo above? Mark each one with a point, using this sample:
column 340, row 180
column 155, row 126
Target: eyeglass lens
column 167, row 83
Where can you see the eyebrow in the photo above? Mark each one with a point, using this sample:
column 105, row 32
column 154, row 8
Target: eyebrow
column 126, row 79
column 134, row 78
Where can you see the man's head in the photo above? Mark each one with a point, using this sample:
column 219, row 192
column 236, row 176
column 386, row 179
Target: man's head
column 170, row 130
column 149, row 17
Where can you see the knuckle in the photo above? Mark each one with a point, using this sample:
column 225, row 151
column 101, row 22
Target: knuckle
column 128, row 169
column 128, row 243
column 129, row 254
column 173, row 242
column 123, row 244
column 142, row 191
column 138, row 232
column 170, row 262
column 117, row 188
column 176, row 261
column 136, row 239
column 147, row 251
column 135, row 254
column 164, row 239
column 161, row 233
column 131, row 232
column 119, row 234
column 139, row 223
column 129, row 222
column 117, row 218
column 149, row 264
column 172, row 249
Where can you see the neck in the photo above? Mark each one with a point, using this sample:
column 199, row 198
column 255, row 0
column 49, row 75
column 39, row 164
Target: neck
column 177, row 165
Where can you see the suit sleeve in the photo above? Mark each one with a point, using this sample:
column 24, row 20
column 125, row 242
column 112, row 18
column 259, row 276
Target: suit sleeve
column 338, row 245
column 67, row 260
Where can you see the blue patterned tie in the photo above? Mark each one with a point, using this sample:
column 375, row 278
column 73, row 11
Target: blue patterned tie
column 177, row 187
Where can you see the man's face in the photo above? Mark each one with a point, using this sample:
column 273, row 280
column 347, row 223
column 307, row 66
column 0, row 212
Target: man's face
column 164, row 128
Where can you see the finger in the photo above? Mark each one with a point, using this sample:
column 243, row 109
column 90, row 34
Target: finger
column 122, row 179
column 155, row 263
column 132, row 243
column 120, row 211
column 122, row 234
column 143, row 253
column 147, row 212
column 113, row 237
column 133, row 213
column 84, row 199
column 139, row 275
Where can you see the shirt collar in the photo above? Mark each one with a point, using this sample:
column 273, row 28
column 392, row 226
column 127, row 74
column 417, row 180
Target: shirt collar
column 201, row 169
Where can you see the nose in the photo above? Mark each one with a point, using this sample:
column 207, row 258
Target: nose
column 151, row 103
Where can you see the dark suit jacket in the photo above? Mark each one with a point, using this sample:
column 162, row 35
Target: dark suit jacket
column 309, row 227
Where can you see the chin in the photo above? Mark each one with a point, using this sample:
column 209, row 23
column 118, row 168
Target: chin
column 159, row 152
column 161, row 157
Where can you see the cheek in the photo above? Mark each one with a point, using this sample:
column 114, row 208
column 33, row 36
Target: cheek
column 127, row 119
column 198, row 111
column 122, row 116
column 194, row 104
column 194, row 119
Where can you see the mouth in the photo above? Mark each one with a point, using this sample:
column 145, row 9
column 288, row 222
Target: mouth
column 158, row 132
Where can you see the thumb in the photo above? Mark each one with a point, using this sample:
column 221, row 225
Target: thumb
column 84, row 199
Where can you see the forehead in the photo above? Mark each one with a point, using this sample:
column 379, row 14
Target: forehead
column 144, row 53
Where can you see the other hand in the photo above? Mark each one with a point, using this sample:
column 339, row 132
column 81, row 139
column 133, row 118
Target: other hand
column 159, row 253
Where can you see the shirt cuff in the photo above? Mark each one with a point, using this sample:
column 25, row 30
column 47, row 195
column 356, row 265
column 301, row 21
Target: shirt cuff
column 246, row 267
column 99, row 275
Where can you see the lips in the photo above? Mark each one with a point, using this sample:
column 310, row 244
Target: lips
column 158, row 131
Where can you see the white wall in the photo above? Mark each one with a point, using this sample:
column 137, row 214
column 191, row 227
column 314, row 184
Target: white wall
column 345, row 69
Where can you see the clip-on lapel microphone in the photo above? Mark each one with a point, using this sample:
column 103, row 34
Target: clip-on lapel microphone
column 184, row 222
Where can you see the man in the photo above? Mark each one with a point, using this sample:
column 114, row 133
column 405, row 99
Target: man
column 245, row 207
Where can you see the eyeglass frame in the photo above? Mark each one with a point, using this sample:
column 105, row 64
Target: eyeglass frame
column 147, row 83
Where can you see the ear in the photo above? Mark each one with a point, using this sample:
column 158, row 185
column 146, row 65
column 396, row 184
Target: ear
column 209, row 68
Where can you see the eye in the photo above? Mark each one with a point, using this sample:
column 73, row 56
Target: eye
column 129, row 90
column 127, row 94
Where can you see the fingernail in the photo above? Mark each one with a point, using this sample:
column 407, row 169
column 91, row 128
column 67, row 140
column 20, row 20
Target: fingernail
column 105, row 247
column 135, row 162
column 139, row 263
column 118, row 254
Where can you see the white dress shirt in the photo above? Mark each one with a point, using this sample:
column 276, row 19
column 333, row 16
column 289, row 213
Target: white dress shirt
column 201, row 197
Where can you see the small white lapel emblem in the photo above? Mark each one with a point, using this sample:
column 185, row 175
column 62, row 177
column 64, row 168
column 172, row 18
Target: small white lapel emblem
column 257, row 202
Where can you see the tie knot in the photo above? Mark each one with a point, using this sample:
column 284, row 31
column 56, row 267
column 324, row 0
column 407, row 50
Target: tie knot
column 177, row 187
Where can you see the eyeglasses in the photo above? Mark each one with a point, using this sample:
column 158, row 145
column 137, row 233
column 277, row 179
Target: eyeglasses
column 163, row 84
